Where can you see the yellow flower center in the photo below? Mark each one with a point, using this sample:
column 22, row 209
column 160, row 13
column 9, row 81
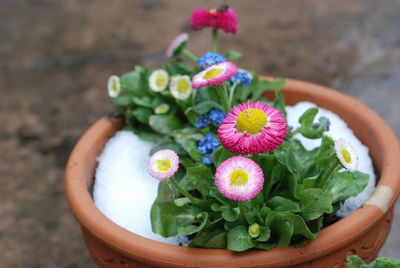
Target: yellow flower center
column 251, row 121
column 183, row 86
column 163, row 165
column 160, row 81
column 114, row 86
column 213, row 11
column 239, row 177
column 212, row 73
column 346, row 155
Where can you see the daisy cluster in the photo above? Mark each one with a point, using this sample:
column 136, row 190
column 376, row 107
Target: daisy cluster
column 228, row 163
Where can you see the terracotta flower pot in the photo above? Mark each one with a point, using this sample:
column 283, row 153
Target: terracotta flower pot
column 363, row 232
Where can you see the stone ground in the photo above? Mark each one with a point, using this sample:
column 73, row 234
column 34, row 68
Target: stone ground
column 56, row 57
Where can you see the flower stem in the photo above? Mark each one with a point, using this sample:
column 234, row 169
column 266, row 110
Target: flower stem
column 192, row 199
column 322, row 183
column 231, row 93
column 214, row 41
column 243, row 214
column 224, row 98
column 189, row 54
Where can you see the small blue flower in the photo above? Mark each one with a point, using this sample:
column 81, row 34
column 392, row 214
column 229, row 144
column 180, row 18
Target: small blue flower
column 210, row 59
column 206, row 159
column 328, row 124
column 216, row 116
column 208, row 144
column 202, row 121
column 242, row 79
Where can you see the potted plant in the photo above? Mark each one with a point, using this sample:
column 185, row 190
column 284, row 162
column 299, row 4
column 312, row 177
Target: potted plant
column 261, row 216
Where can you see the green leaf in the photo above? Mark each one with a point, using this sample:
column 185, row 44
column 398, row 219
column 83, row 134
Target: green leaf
column 191, row 229
column 300, row 227
column 142, row 114
column 144, row 101
column 123, row 100
column 210, row 239
column 307, row 118
column 147, row 135
column 346, row 184
column 314, row 203
column 218, row 241
column 279, row 102
column 170, row 146
column 280, row 223
column 265, row 233
column 187, row 138
column 282, row 204
column 180, row 202
column 166, row 217
column 133, row 82
column 199, row 178
column 355, row 261
column 266, row 85
column 191, row 115
column 164, row 124
column 205, row 106
column 230, row 214
column 326, row 153
column 239, row 240
column 232, row 55
column 220, row 155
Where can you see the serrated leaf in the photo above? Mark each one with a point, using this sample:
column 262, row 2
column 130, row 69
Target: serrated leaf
column 314, row 203
column 346, row 184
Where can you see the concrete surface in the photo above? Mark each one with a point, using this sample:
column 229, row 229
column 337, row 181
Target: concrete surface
column 56, row 56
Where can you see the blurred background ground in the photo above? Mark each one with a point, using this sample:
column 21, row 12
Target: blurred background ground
column 56, row 56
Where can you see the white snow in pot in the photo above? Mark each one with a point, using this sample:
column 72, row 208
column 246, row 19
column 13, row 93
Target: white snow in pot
column 124, row 191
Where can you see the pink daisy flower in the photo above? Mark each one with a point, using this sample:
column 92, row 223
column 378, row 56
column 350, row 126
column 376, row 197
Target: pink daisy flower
column 252, row 128
column 239, row 178
column 214, row 75
column 224, row 18
column 163, row 164
column 177, row 45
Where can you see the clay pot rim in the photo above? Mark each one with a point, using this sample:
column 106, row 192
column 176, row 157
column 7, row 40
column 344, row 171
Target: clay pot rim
column 78, row 176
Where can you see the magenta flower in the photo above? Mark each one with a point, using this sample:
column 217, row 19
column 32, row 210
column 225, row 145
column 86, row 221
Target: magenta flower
column 177, row 45
column 252, row 128
column 239, row 178
column 214, row 75
column 163, row 164
column 224, row 18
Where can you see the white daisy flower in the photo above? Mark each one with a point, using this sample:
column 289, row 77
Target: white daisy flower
column 346, row 154
column 181, row 87
column 163, row 164
column 113, row 86
column 162, row 108
column 158, row 80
